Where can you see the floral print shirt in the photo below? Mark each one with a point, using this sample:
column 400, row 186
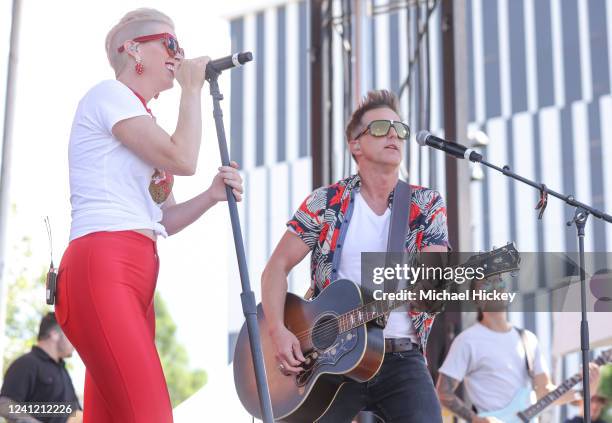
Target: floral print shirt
column 323, row 219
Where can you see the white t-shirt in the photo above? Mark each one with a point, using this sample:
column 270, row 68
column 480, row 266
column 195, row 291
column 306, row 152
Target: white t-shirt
column 491, row 365
column 369, row 233
column 109, row 184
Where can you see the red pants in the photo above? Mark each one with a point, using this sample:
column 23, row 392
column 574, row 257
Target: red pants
column 104, row 305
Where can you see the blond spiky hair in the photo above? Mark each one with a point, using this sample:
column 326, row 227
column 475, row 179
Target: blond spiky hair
column 134, row 24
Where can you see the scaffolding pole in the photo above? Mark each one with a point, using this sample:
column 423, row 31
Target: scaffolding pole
column 5, row 165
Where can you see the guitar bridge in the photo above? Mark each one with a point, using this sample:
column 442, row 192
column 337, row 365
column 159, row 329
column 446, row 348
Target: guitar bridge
column 316, row 359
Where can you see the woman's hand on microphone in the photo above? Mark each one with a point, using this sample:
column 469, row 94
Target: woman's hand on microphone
column 228, row 175
column 190, row 72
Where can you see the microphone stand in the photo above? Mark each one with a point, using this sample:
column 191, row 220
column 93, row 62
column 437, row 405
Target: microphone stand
column 247, row 297
column 580, row 218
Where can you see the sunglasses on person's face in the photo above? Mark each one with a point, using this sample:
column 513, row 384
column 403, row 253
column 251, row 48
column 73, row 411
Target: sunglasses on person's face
column 170, row 42
column 381, row 127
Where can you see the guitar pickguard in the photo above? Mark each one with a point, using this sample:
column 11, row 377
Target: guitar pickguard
column 315, row 359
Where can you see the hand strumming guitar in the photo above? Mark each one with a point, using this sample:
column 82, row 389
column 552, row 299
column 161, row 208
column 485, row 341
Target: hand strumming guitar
column 288, row 352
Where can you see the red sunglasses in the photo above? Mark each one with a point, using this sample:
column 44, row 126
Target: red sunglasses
column 170, row 42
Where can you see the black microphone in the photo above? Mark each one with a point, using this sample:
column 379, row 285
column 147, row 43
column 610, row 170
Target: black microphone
column 454, row 149
column 228, row 62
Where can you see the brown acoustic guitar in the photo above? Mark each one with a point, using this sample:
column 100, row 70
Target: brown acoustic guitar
column 339, row 340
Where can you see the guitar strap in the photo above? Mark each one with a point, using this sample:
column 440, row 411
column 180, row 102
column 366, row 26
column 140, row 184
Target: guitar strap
column 398, row 230
column 400, row 213
column 528, row 351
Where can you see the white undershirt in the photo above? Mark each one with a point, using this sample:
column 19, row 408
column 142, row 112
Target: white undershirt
column 369, row 232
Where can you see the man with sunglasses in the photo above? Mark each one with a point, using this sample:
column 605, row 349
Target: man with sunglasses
column 339, row 222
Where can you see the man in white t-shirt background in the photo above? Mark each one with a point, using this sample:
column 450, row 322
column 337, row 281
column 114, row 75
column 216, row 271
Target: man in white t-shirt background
column 490, row 359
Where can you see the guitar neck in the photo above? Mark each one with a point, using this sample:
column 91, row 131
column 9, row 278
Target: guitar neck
column 549, row 398
column 552, row 396
column 368, row 312
column 375, row 309
column 500, row 260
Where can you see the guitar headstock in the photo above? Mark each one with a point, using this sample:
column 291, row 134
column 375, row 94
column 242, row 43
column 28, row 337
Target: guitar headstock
column 495, row 262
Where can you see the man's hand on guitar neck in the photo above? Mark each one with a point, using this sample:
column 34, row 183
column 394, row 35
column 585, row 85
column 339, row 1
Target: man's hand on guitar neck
column 543, row 385
column 288, row 352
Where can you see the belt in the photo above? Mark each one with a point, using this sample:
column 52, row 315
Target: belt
column 400, row 345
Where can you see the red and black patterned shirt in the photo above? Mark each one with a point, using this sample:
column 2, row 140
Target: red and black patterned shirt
column 323, row 219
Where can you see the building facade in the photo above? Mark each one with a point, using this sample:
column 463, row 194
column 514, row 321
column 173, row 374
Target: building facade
column 539, row 78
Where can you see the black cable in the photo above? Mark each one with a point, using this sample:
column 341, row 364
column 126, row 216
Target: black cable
column 329, row 90
column 409, row 101
column 414, row 93
column 349, row 64
column 393, row 6
column 419, row 73
column 347, row 34
column 343, row 25
column 412, row 62
column 48, row 226
column 427, row 76
column 426, row 123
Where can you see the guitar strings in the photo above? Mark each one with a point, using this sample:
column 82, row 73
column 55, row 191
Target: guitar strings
column 329, row 327
column 333, row 324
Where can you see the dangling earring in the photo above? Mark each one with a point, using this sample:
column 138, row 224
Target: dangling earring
column 139, row 68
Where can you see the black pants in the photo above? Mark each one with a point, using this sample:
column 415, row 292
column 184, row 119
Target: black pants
column 401, row 392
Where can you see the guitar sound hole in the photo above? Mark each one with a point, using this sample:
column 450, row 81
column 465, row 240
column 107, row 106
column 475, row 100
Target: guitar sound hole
column 325, row 332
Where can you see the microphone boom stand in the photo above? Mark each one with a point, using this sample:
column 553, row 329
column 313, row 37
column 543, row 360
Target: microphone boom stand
column 580, row 219
column 247, row 297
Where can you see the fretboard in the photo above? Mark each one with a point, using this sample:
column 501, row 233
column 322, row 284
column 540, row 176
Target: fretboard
column 375, row 309
column 552, row 396
column 549, row 398
column 367, row 313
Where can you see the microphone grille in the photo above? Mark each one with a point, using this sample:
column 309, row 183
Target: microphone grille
column 422, row 136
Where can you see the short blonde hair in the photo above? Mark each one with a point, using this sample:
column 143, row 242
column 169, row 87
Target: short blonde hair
column 134, row 24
